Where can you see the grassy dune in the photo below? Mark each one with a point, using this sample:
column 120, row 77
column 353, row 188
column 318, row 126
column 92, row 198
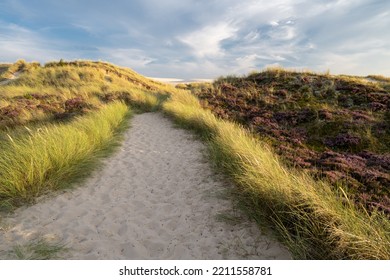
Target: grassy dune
column 314, row 221
column 61, row 90
column 72, row 111
column 336, row 128
column 57, row 119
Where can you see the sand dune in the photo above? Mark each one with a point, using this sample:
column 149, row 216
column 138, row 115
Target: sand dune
column 156, row 198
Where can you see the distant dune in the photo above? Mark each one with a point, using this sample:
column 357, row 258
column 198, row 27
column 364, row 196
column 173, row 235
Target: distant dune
column 176, row 81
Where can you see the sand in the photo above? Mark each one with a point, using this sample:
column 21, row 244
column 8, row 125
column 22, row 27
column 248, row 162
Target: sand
column 156, row 198
column 14, row 76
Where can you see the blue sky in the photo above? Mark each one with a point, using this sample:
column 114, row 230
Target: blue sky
column 201, row 38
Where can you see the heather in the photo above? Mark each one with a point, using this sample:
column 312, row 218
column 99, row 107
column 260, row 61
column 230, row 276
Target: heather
column 337, row 128
column 59, row 91
column 59, row 119
column 311, row 218
column 299, row 147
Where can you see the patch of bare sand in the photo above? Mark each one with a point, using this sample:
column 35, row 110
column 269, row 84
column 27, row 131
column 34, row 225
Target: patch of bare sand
column 156, row 198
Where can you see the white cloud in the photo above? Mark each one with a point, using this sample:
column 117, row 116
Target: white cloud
column 138, row 59
column 19, row 42
column 195, row 38
column 252, row 36
column 339, row 63
column 246, row 63
column 282, row 33
column 207, row 40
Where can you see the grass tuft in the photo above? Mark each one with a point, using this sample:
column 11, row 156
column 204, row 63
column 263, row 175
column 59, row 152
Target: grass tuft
column 44, row 158
column 38, row 250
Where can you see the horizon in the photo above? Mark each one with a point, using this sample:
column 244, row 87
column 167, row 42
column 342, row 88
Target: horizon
column 193, row 40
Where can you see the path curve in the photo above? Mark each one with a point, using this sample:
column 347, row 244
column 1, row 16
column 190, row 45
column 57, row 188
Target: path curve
column 156, row 198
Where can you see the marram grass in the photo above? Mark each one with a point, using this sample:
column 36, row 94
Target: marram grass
column 42, row 160
column 61, row 90
column 313, row 221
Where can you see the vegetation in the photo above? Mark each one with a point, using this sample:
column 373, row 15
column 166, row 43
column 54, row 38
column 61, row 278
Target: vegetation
column 61, row 90
column 46, row 157
column 55, row 119
column 313, row 220
column 3, row 68
column 40, row 249
column 379, row 78
column 335, row 127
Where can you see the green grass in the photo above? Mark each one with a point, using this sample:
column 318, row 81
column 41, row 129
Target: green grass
column 55, row 116
column 39, row 249
column 314, row 221
column 311, row 219
column 53, row 156
column 330, row 126
column 3, row 69
column 46, row 93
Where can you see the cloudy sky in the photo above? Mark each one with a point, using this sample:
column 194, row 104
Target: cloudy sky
column 201, row 38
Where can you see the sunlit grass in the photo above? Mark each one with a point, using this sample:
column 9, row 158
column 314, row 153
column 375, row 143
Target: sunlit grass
column 51, row 156
column 41, row 92
column 311, row 219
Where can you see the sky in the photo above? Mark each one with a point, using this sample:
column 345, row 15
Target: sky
column 191, row 39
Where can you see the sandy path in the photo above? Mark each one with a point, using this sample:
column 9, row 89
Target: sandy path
column 156, row 198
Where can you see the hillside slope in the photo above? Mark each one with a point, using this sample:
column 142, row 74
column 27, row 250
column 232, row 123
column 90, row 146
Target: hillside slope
column 335, row 127
column 60, row 90
column 39, row 103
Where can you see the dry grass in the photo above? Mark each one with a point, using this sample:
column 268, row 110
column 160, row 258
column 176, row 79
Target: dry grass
column 55, row 120
column 44, row 93
column 311, row 219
